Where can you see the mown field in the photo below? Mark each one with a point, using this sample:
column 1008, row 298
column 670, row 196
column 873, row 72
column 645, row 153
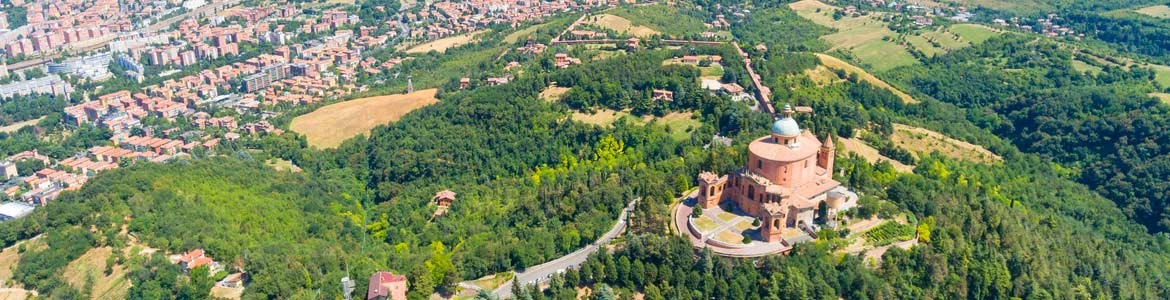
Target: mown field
column 328, row 126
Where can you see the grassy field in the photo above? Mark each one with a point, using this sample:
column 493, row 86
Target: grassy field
column 493, row 281
column 621, row 25
column 872, row 155
column 920, row 43
column 660, row 18
column 1157, row 11
column 946, row 39
column 822, row 75
column 93, row 264
column 441, row 45
column 1162, row 96
column 973, row 33
column 923, row 141
column 679, row 125
column 835, row 63
column 282, row 165
column 328, row 126
column 1161, row 74
column 523, row 33
column 863, row 37
column 1081, row 66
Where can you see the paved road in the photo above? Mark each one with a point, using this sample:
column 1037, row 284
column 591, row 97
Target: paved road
column 543, row 272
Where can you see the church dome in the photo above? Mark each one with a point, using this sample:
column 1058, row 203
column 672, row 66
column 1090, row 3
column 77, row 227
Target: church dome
column 785, row 127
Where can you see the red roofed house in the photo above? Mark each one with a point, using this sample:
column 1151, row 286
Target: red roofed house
column 387, row 286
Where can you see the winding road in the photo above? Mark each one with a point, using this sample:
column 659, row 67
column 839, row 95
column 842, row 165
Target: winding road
column 543, row 272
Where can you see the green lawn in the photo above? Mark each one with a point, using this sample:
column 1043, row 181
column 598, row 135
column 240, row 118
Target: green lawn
column 973, row 33
column 716, row 71
column 704, row 224
column 883, row 55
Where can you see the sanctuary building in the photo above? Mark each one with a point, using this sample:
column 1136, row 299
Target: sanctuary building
column 786, row 183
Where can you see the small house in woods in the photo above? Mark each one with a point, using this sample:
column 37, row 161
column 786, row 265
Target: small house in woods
column 195, row 258
column 387, row 286
column 443, row 200
column 662, row 95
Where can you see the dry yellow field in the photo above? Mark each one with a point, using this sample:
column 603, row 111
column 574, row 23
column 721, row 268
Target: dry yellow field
column 18, row 125
column 441, row 45
column 872, row 155
column 553, row 93
column 923, row 141
column 328, row 126
column 836, row 63
column 620, row 24
column 93, row 263
column 822, row 75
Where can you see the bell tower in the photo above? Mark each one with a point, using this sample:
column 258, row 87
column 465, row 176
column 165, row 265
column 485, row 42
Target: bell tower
column 826, row 154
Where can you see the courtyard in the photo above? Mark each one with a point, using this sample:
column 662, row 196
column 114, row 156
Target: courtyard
column 723, row 230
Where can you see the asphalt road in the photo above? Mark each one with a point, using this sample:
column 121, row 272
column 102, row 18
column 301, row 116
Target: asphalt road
column 543, row 272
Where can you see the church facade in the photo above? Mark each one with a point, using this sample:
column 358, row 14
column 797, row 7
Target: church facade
column 786, row 183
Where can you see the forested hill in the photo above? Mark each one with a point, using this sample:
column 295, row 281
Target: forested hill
column 1103, row 126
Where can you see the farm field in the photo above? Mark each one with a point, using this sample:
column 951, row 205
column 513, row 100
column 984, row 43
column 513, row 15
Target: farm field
column 441, row 45
column 923, row 141
column 836, row 63
column 328, row 126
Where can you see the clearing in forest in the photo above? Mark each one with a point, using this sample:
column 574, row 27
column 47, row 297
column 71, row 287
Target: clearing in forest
column 621, row 25
column 18, row 125
column 553, row 93
column 679, row 125
column 1158, row 11
column 328, row 126
column 1161, row 96
column 93, row 264
column 523, row 33
column 441, row 45
column 836, row 63
column 872, row 155
column 922, row 141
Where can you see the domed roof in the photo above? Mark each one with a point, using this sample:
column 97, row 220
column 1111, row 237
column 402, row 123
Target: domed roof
column 785, row 126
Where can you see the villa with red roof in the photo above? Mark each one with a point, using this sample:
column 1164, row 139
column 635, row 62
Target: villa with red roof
column 386, row 286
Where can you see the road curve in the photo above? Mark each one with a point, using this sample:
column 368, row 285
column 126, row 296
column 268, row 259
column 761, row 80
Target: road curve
column 543, row 272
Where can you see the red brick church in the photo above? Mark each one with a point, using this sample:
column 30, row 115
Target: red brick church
column 788, row 175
